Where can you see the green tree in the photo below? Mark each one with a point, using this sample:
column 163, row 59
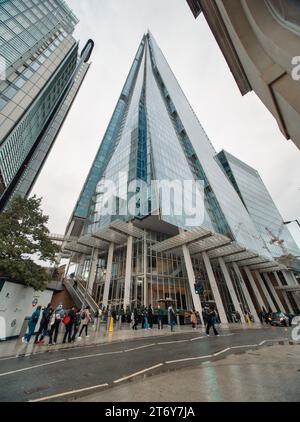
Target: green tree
column 23, row 233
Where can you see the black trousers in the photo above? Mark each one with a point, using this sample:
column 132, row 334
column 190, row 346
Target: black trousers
column 54, row 330
column 76, row 328
column 208, row 327
column 43, row 327
column 68, row 333
column 82, row 328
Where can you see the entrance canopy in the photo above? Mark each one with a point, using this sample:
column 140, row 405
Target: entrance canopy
column 197, row 240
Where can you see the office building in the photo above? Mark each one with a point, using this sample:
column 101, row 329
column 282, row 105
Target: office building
column 42, row 71
column 260, row 41
column 131, row 249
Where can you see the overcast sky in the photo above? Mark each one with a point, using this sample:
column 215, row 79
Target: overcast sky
column 240, row 125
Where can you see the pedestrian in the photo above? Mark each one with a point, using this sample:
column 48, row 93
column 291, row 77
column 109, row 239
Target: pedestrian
column 68, row 320
column 43, row 330
column 76, row 325
column 56, row 319
column 32, row 324
column 160, row 317
column 194, row 319
column 145, row 319
column 85, row 320
column 171, row 317
column 211, row 320
column 135, row 319
column 261, row 317
column 150, row 316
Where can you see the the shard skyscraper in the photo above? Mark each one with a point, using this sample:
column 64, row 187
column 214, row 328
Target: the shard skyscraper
column 131, row 233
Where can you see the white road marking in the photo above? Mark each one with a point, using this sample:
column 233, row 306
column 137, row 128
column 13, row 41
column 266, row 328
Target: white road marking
column 246, row 345
column 32, row 367
column 96, row 354
column 222, row 351
column 172, row 342
column 140, row 347
column 197, row 338
column 68, row 393
column 186, row 359
column 138, row 373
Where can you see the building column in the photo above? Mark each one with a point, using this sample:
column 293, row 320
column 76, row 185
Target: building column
column 145, row 270
column 266, row 293
column 92, row 271
column 255, row 289
column 128, row 272
column 214, row 287
column 108, row 274
column 192, row 280
column 246, row 292
column 288, row 278
column 274, row 293
column 80, row 266
column 231, row 290
column 285, row 296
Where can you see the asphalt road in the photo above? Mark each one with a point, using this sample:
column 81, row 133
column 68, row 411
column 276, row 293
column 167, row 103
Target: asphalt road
column 69, row 373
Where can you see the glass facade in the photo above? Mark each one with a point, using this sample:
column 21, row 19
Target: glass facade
column 154, row 135
column 260, row 206
column 41, row 64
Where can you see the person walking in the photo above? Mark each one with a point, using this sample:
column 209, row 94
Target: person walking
column 85, row 320
column 135, row 319
column 43, row 330
column 211, row 320
column 194, row 319
column 160, row 317
column 76, row 325
column 171, row 317
column 32, row 324
column 69, row 323
column 150, row 316
column 56, row 319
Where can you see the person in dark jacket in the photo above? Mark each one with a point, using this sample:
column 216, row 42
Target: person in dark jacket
column 32, row 324
column 69, row 323
column 76, row 325
column 211, row 317
column 46, row 316
column 150, row 316
column 56, row 319
column 160, row 318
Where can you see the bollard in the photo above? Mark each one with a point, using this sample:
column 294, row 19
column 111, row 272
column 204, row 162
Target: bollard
column 111, row 325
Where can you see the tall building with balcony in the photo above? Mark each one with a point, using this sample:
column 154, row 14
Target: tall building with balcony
column 41, row 73
column 260, row 40
column 132, row 235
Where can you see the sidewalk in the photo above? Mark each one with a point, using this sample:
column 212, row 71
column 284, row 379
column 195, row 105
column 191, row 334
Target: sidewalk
column 270, row 374
column 100, row 335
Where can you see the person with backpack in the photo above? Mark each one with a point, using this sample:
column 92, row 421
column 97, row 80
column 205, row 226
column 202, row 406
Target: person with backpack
column 69, row 322
column 43, row 330
column 32, row 324
column 56, row 319
column 86, row 317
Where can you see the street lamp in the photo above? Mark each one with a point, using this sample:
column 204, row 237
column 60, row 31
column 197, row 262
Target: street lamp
column 292, row 221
